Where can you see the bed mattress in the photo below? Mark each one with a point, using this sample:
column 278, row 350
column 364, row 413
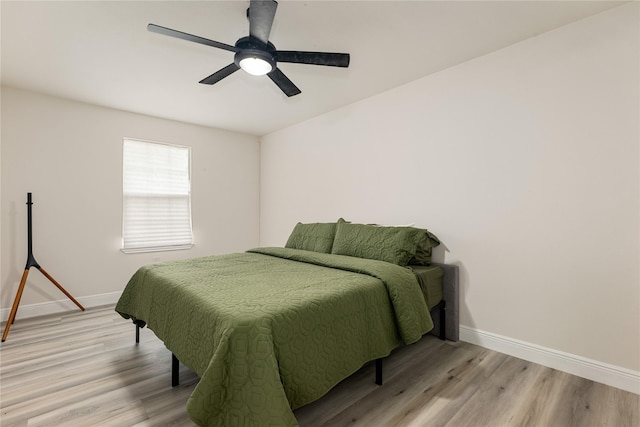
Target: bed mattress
column 430, row 280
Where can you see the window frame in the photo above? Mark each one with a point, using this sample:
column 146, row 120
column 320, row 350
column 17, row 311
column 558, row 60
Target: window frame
column 151, row 247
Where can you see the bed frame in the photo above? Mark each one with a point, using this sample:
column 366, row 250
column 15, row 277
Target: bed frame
column 448, row 322
column 445, row 317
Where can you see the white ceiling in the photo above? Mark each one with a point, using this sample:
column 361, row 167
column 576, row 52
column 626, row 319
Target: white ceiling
column 101, row 52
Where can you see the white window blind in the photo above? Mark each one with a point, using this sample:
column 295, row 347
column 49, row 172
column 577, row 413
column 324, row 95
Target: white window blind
column 156, row 197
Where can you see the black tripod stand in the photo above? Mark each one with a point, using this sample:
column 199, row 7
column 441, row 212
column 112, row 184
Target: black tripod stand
column 31, row 262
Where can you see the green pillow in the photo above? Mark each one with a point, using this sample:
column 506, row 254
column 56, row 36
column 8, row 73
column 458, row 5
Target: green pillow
column 423, row 251
column 396, row 245
column 316, row 237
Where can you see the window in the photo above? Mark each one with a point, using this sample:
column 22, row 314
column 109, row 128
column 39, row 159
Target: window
column 156, row 197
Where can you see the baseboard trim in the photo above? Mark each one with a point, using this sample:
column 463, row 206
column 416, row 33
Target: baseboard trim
column 60, row 306
column 615, row 376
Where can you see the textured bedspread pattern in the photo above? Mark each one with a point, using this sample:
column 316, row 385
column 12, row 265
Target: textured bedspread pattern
column 273, row 329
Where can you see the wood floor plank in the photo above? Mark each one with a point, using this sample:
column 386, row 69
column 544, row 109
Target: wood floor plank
column 84, row 369
column 446, row 394
column 504, row 392
column 540, row 407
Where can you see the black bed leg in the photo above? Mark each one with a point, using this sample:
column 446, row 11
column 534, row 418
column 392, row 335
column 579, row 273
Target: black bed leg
column 443, row 320
column 175, row 374
column 379, row 371
column 137, row 334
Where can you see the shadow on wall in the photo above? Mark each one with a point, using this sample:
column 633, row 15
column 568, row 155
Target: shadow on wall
column 11, row 277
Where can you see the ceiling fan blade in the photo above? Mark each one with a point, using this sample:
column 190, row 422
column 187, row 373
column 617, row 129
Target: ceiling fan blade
column 220, row 74
column 314, row 58
column 189, row 37
column 283, row 82
column 261, row 14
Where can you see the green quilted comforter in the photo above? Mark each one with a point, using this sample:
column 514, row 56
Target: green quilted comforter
column 273, row 329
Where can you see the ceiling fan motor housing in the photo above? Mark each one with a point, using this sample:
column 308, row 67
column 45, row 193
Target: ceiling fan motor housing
column 251, row 47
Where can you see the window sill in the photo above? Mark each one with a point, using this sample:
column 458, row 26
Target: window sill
column 156, row 249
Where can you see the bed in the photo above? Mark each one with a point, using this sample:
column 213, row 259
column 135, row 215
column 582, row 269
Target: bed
column 274, row 328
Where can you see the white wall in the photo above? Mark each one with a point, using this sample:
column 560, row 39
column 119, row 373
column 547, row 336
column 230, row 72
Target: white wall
column 524, row 162
column 69, row 155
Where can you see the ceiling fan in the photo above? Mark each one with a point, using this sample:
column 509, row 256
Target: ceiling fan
column 255, row 54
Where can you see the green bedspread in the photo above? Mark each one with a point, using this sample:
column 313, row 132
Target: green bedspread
column 273, row 329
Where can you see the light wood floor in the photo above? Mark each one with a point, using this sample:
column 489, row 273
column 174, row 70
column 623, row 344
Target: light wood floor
column 84, row 369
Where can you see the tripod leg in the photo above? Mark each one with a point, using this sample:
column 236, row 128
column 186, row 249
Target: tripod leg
column 64, row 291
column 14, row 308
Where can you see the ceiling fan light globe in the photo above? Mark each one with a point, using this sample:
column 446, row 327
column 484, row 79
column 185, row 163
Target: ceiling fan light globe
column 255, row 66
column 255, row 61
